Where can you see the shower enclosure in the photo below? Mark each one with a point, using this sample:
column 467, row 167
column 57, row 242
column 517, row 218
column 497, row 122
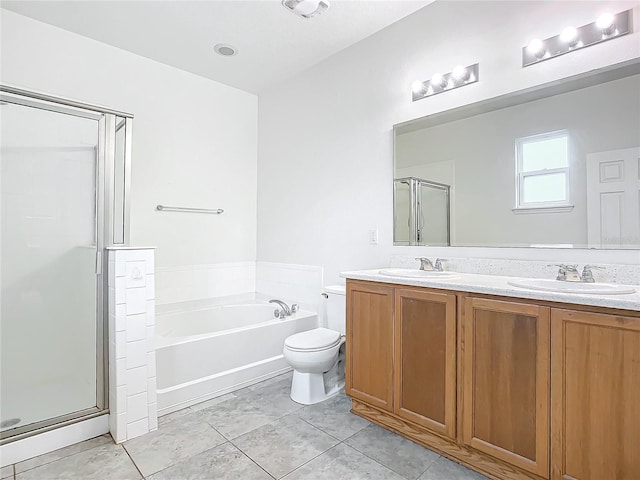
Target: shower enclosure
column 420, row 212
column 63, row 198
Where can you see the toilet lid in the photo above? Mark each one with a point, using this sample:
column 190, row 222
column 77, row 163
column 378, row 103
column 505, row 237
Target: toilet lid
column 316, row 339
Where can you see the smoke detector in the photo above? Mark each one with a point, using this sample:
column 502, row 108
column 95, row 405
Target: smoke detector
column 225, row 50
column 306, row 8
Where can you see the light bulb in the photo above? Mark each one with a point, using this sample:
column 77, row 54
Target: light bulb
column 536, row 48
column 605, row 22
column 438, row 81
column 460, row 73
column 569, row 36
column 418, row 87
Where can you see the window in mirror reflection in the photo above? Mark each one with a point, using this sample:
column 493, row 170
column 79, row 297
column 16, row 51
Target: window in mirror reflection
column 542, row 165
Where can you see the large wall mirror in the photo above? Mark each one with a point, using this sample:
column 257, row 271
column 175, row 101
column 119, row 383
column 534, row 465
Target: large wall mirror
column 555, row 166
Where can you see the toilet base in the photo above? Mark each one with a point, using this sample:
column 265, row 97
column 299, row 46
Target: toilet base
column 309, row 388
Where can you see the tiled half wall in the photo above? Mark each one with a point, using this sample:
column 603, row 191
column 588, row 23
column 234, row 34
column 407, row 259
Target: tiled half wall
column 132, row 361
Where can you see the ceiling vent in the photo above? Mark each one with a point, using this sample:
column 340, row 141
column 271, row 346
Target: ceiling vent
column 306, row 8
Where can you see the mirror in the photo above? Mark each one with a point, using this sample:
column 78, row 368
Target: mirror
column 554, row 166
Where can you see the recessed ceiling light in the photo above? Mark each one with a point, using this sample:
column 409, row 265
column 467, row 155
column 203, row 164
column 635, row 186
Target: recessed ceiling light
column 225, row 50
column 306, row 8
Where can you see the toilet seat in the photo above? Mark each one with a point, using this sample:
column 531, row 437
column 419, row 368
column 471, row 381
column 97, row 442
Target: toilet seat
column 313, row 340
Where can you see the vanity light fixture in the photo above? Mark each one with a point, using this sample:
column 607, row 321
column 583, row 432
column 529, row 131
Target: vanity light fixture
column 606, row 23
column 606, row 27
column 439, row 82
column 569, row 36
column 536, row 48
column 460, row 74
column 306, row 8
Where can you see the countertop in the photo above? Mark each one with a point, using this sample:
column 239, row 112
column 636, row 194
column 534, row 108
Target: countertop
column 498, row 285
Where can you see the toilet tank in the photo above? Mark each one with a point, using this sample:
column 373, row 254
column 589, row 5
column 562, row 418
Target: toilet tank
column 336, row 307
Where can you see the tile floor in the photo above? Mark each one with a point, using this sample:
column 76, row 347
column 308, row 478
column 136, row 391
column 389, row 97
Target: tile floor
column 257, row 433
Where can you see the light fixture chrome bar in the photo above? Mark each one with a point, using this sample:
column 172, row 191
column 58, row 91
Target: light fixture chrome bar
column 164, row 208
column 575, row 39
column 459, row 77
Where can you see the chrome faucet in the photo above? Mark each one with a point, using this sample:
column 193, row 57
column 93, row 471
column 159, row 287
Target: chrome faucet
column 426, row 264
column 587, row 274
column 567, row 273
column 284, row 310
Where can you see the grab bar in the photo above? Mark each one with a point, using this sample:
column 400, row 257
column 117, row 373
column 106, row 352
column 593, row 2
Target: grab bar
column 164, row 208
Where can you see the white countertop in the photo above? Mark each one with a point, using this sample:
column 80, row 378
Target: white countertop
column 498, row 285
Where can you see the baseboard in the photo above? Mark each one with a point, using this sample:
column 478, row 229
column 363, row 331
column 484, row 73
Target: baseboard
column 46, row 442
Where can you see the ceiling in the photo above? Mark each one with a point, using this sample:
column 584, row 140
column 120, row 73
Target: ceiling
column 273, row 44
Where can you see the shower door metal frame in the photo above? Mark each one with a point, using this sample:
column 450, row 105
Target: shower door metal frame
column 415, row 198
column 104, row 178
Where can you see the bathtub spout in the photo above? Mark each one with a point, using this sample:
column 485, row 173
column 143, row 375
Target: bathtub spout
column 285, row 312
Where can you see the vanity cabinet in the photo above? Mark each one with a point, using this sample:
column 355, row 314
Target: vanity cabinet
column 516, row 389
column 595, row 399
column 425, row 359
column 401, row 345
column 505, row 381
column 369, row 371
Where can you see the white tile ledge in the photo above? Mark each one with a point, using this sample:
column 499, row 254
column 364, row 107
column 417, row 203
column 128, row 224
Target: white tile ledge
column 498, row 285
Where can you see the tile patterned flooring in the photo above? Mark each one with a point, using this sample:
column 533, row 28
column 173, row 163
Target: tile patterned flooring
column 257, row 433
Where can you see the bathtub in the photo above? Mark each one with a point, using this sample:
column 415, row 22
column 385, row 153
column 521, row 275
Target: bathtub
column 207, row 352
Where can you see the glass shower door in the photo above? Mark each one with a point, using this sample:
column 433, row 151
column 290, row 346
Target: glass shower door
column 420, row 212
column 49, row 252
column 402, row 213
column 433, row 214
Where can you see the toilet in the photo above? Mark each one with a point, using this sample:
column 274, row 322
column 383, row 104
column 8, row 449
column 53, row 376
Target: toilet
column 317, row 356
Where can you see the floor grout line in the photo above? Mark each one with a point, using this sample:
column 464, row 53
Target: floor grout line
column 310, row 460
column 373, row 459
column 246, row 455
column 133, row 461
column 319, row 428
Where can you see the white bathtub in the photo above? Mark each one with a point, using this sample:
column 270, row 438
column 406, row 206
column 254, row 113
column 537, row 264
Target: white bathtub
column 204, row 353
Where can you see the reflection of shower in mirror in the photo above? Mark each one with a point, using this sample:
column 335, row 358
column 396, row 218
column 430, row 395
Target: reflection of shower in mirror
column 422, row 212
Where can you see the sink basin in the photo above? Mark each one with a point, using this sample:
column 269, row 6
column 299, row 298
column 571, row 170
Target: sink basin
column 558, row 286
column 409, row 273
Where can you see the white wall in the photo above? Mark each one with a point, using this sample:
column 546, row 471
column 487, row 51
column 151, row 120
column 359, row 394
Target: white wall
column 194, row 140
column 325, row 136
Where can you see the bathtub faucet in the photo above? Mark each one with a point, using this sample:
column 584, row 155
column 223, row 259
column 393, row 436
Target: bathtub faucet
column 284, row 310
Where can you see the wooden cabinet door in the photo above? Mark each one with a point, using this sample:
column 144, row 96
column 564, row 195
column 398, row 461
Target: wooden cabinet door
column 425, row 359
column 595, row 396
column 506, row 382
column 369, row 369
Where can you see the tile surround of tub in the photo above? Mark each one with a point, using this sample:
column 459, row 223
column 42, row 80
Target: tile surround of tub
column 627, row 274
column 301, row 284
column 188, row 283
column 132, row 369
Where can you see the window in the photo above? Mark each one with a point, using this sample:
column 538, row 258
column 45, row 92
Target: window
column 542, row 172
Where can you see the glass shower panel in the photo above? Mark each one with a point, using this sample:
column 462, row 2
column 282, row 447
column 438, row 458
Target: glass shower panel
column 402, row 212
column 119, row 168
column 48, row 308
column 433, row 215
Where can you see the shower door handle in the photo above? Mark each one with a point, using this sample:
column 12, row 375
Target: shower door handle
column 98, row 262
